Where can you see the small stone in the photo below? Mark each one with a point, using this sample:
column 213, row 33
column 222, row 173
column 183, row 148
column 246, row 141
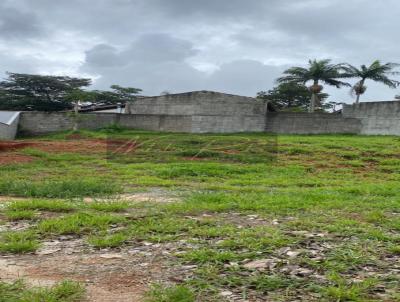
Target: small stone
column 189, row 267
column 257, row 264
column 226, row 293
column 111, row 256
column 302, row 272
column 293, row 254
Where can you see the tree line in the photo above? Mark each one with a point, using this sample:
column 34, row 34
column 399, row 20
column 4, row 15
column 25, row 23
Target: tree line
column 293, row 94
column 29, row 92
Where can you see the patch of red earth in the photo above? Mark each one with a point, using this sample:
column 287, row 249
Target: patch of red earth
column 13, row 158
column 89, row 146
column 82, row 146
column 12, row 146
column 74, row 144
column 74, row 136
column 9, row 154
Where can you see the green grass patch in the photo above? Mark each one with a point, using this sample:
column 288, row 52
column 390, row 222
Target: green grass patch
column 14, row 215
column 42, row 205
column 18, row 242
column 160, row 293
column 79, row 223
column 109, row 206
column 108, row 240
column 59, row 188
column 65, row 291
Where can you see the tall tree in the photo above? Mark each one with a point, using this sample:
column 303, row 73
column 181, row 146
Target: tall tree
column 290, row 96
column 38, row 92
column 125, row 94
column 376, row 72
column 316, row 72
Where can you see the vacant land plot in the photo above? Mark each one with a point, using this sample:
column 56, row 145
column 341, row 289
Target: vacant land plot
column 120, row 215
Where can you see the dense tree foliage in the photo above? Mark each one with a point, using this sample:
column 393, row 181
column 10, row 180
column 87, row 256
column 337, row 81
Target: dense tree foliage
column 37, row 92
column 56, row 93
column 291, row 96
column 125, row 94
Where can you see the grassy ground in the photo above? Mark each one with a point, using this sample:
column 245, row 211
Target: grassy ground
column 261, row 218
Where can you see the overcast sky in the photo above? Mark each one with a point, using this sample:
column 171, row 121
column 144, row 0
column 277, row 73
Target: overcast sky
column 234, row 46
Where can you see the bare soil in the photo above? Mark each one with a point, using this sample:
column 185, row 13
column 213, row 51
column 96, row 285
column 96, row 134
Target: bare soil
column 10, row 150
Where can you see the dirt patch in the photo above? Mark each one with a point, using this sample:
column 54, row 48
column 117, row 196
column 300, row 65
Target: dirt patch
column 87, row 146
column 122, row 275
column 13, row 158
column 103, row 281
column 74, row 144
column 11, row 145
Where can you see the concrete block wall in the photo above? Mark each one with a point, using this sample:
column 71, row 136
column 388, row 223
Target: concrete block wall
column 38, row 123
column 199, row 112
column 310, row 123
column 198, row 103
column 153, row 122
column 227, row 124
column 193, row 124
column 378, row 118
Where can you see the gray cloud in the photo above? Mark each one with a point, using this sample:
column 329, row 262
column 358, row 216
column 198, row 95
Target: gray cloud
column 17, row 24
column 161, row 65
column 230, row 45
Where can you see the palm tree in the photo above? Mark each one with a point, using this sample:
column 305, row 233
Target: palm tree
column 317, row 71
column 376, row 72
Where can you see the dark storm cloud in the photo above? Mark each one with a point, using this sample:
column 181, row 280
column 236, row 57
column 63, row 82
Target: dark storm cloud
column 230, row 45
column 16, row 24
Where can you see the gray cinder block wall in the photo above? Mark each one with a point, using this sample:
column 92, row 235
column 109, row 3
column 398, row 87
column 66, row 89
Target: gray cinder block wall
column 200, row 112
column 38, row 123
column 380, row 118
column 310, row 123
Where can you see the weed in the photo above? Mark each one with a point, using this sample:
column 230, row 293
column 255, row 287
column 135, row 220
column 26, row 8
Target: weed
column 20, row 215
column 65, row 291
column 344, row 291
column 58, row 189
column 104, row 241
column 160, row 293
column 18, row 242
column 42, row 205
column 78, row 223
column 108, row 206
